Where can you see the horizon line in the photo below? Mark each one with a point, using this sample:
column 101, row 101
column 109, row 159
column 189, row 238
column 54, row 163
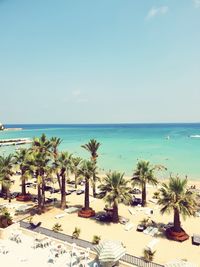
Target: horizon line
column 103, row 123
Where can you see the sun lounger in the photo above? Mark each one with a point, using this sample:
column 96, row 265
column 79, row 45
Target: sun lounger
column 23, row 208
column 148, row 230
column 3, row 250
column 152, row 200
column 60, row 215
column 16, row 237
column 71, row 209
column 41, row 243
column 123, row 220
column 154, row 231
column 197, row 214
column 152, row 244
column 128, row 226
column 196, row 239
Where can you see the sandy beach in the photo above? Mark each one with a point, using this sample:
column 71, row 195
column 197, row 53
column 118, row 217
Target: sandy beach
column 134, row 241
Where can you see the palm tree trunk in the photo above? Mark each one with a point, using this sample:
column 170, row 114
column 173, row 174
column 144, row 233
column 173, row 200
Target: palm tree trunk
column 3, row 189
column 23, row 183
column 63, row 192
column 94, row 178
column 115, row 215
column 75, row 178
column 9, row 195
column 144, row 195
column 43, row 193
column 177, row 223
column 59, row 182
column 57, row 174
column 94, row 186
column 87, row 200
column 39, row 199
column 23, row 186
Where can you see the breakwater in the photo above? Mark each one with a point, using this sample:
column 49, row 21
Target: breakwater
column 15, row 141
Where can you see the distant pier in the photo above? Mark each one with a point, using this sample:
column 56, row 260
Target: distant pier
column 15, row 141
column 12, row 129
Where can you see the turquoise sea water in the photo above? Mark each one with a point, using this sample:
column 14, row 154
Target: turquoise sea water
column 123, row 144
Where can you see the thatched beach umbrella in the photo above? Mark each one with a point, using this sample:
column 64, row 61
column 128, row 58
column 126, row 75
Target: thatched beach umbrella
column 180, row 263
column 110, row 251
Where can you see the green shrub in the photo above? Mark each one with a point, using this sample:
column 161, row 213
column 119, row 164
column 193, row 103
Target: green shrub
column 30, row 219
column 148, row 254
column 145, row 221
column 96, row 239
column 76, row 232
column 156, row 195
column 57, row 227
column 5, row 218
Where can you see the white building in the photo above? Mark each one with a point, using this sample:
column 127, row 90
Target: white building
column 1, row 127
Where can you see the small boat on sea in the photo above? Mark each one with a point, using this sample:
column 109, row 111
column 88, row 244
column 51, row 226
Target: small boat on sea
column 195, row 136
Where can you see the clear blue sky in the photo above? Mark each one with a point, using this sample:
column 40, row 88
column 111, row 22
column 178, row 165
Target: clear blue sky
column 86, row 61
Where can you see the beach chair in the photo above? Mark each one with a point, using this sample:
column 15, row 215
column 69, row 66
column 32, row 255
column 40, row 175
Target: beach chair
column 152, row 200
column 87, row 254
column 123, row 220
column 148, row 230
column 68, row 261
column 197, row 214
column 196, row 240
column 131, row 211
column 3, row 250
column 86, row 259
column 128, row 226
column 44, row 242
column 16, row 236
column 154, row 231
column 52, row 258
column 60, row 215
column 71, row 210
column 152, row 244
column 74, row 251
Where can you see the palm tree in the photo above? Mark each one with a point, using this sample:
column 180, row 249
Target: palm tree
column 76, row 161
column 175, row 197
column 92, row 147
column 42, row 145
column 55, row 142
column 22, row 158
column 117, row 191
column 42, row 156
column 62, row 165
column 41, row 166
column 87, row 169
column 6, row 166
column 144, row 174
